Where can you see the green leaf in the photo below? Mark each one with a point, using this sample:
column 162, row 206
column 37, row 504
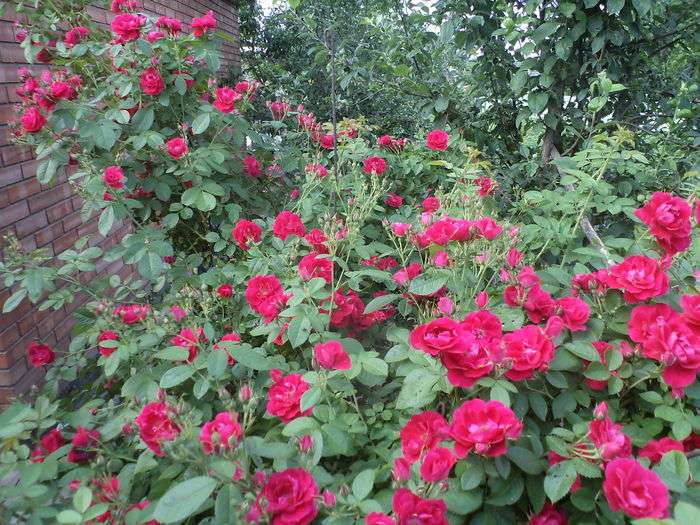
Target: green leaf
column 441, row 104
column 417, row 389
column 300, row 426
column 106, row 220
column 544, row 31
column 525, row 460
column 615, row 6
column 518, row 81
column 558, row 481
column 69, row 516
column 584, row 350
column 473, row 476
column 363, row 483
column 684, row 512
column 248, row 357
column 82, row 499
column 175, row 376
column 14, row 300
column 173, row 353
column 142, row 120
column 642, row 6
column 201, row 123
column 184, row 499
column 298, row 331
column 380, row 302
column 425, row 286
column 537, row 102
column 309, row 399
column 375, row 366
column 217, row 361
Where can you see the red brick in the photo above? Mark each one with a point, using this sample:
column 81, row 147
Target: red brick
column 48, row 234
column 13, row 213
column 22, row 190
column 10, row 376
column 64, row 242
column 10, row 175
column 48, row 197
column 31, row 224
column 59, row 211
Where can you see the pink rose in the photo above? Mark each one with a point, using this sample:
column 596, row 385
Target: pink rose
column 635, row 490
column 437, row 140
column 332, row 356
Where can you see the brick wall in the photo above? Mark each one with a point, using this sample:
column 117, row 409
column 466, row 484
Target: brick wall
column 48, row 217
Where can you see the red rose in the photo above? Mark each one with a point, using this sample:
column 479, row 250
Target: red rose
column 440, row 335
column 226, row 99
column 278, row 109
column 225, row 291
column 251, row 166
column 609, row 439
column 189, row 338
column 75, row 35
column 655, row 449
column 327, row 141
column 233, row 337
column 413, row 510
column 379, row 518
column 221, row 434
column 244, row 232
column 203, row 24
column 173, row 25
column 431, row 204
column 539, row 304
column 574, row 313
column 394, row 200
column 437, row 464
column 635, row 490
column 437, row 140
column 312, row 266
column 639, row 277
column 332, row 356
column 127, row 27
column 423, row 432
column 33, row 120
column 374, row 165
column 40, row 354
column 151, row 82
column 529, row 350
column 290, row 497
column 107, row 335
column 483, row 427
column 113, row 176
column 318, row 169
column 549, row 515
column 264, row 295
column 131, row 313
column 668, row 219
column 486, row 186
column 177, row 147
column 691, row 311
column 286, row 224
column 284, row 396
column 488, row 228
column 156, row 427
column 84, row 442
column 49, row 443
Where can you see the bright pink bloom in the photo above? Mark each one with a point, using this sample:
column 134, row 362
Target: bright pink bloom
column 574, row 313
column 437, row 140
column 156, row 427
column 422, row 433
column 244, row 232
column 251, row 166
column 312, row 265
column 374, row 166
column 655, row 449
column 33, row 120
column 290, row 497
column 221, row 434
column 177, row 147
column 189, row 338
column 483, row 427
column 668, row 219
column 332, row 356
column 84, row 444
column 265, row 296
column 203, row 24
column 437, row 464
column 549, row 515
column 284, row 396
column 287, row 224
column 151, row 82
column 640, row 278
column 106, row 335
column 127, row 26
column 413, row 510
column 528, row 349
column 393, row 200
column 225, row 291
column 635, row 490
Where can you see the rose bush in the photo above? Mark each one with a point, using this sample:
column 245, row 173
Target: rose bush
column 330, row 327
